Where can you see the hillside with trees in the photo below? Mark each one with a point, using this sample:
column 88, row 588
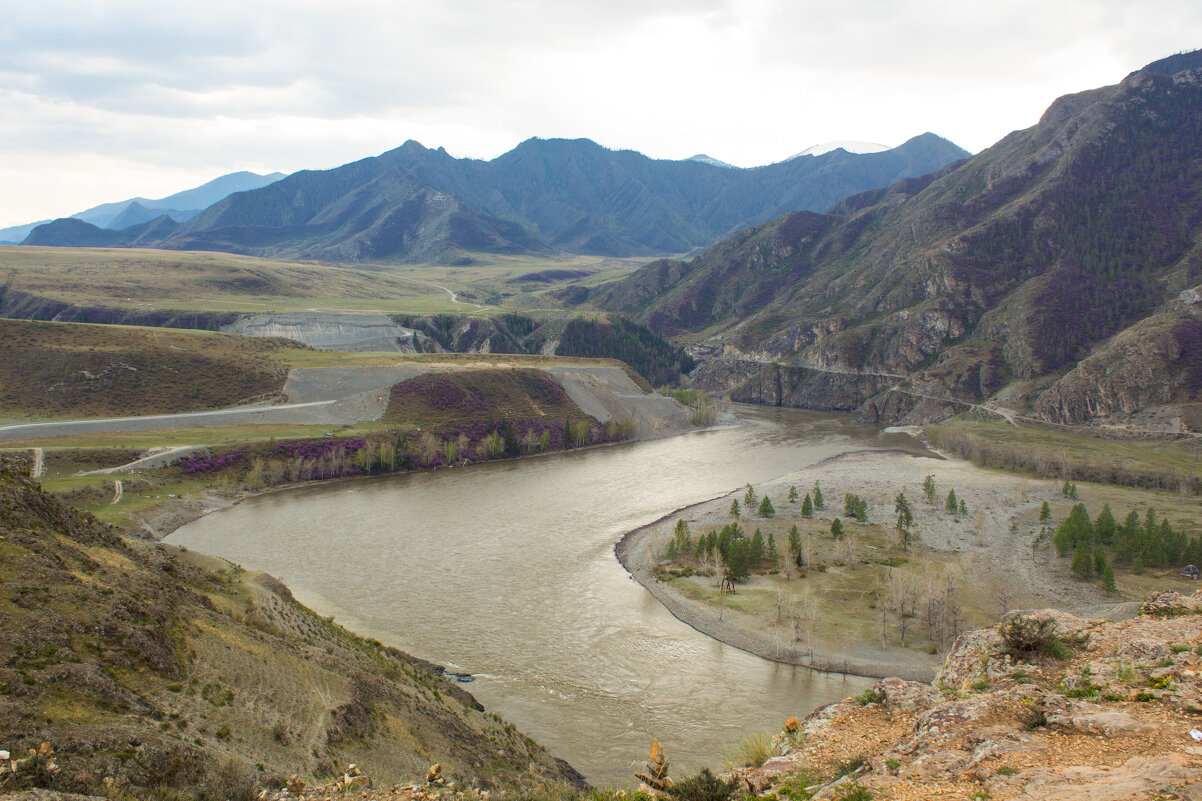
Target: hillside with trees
column 1053, row 258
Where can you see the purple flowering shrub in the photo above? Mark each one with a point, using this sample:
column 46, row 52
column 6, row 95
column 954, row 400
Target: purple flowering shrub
column 210, row 463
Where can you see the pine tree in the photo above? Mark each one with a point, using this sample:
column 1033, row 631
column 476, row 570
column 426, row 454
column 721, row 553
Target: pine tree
column 734, row 508
column 928, row 488
column 1108, row 579
column 1045, row 513
column 951, row 505
column 749, row 497
column 819, row 503
column 671, row 555
column 905, row 519
column 794, row 540
column 963, row 508
column 855, row 506
column 807, row 507
column 1082, row 563
column 792, row 494
column 773, row 554
column 766, row 508
column 1105, row 526
column 1099, row 560
column 837, row 529
column 1065, row 489
column 756, row 550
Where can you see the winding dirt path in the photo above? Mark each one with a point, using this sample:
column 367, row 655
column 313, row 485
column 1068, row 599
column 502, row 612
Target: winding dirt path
column 159, row 458
column 454, row 297
column 117, row 492
column 39, row 464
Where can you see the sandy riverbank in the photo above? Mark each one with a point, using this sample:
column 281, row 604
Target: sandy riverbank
column 992, row 548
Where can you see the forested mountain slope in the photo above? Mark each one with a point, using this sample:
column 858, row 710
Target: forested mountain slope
column 1013, row 266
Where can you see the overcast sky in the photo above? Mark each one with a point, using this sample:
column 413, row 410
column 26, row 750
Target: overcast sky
column 110, row 99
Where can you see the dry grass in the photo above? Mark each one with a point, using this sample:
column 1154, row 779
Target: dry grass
column 80, row 370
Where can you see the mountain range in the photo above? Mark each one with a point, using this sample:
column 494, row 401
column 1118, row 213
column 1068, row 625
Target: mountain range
column 418, row 204
column 179, row 207
column 1055, row 272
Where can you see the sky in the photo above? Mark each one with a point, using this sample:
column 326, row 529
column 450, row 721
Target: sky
column 111, row 99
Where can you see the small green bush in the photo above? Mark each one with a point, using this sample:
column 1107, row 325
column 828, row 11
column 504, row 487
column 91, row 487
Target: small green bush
column 1086, row 691
column 867, row 697
column 1006, row 770
column 703, row 786
column 856, row 793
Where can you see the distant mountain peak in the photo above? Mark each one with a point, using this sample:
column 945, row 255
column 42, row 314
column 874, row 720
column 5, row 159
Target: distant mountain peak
column 851, row 146
column 704, row 159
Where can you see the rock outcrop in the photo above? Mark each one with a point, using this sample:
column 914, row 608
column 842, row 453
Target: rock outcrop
column 1007, row 719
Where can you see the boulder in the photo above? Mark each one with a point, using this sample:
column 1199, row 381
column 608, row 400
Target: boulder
column 1168, row 603
column 906, row 695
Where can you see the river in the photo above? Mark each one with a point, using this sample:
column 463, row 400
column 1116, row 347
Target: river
column 506, row 570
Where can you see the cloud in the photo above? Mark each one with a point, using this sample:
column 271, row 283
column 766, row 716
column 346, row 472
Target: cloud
column 199, row 89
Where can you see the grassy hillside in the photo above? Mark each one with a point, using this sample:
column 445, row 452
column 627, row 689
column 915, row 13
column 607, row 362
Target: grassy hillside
column 148, row 280
column 61, row 369
column 482, row 396
column 168, row 671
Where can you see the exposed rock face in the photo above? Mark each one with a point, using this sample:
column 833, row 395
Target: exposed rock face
column 331, row 330
column 1153, row 363
column 781, row 385
column 1111, row 721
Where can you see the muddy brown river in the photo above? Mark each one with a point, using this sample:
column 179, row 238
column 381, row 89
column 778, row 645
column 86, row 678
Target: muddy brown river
column 507, row 571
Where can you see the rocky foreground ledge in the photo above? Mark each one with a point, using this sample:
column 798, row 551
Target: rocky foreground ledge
column 1043, row 705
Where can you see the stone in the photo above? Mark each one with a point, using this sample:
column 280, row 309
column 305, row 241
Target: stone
column 1108, row 722
column 656, row 776
column 1144, row 649
column 906, row 695
column 762, row 777
column 1168, row 603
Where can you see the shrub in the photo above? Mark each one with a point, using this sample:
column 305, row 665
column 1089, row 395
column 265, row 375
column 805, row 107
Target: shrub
column 703, row 787
column 867, row 697
column 1026, row 636
column 754, row 751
